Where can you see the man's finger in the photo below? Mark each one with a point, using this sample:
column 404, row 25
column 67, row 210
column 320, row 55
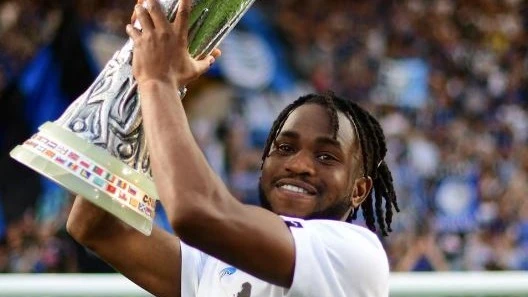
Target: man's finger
column 216, row 53
column 133, row 18
column 157, row 14
column 144, row 18
column 133, row 32
column 181, row 22
column 204, row 64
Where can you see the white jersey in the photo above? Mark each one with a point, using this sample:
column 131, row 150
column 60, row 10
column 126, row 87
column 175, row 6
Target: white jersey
column 332, row 259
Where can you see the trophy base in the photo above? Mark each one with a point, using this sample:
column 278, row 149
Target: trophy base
column 91, row 172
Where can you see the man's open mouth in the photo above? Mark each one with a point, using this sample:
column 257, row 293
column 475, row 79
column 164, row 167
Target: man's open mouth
column 296, row 186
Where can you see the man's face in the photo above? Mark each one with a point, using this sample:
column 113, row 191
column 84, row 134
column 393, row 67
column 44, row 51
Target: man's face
column 308, row 173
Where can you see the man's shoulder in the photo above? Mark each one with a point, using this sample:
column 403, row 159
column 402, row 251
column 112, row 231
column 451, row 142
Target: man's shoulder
column 333, row 257
column 336, row 231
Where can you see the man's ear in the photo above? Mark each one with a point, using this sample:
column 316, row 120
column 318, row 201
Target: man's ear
column 362, row 187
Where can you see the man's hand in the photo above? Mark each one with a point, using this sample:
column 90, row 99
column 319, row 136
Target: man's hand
column 161, row 48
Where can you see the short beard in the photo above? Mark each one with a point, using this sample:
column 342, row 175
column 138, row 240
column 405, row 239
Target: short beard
column 334, row 212
column 264, row 203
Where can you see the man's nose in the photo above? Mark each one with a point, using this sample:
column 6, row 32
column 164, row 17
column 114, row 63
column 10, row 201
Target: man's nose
column 301, row 163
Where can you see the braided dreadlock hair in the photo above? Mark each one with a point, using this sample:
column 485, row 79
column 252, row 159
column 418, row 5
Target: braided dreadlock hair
column 373, row 150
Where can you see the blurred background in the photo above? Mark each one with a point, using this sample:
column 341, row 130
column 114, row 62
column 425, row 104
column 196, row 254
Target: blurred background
column 447, row 79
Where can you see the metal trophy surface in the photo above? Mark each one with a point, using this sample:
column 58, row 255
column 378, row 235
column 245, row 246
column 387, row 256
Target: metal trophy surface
column 97, row 148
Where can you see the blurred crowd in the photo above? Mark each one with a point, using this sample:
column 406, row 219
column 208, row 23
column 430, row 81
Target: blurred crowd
column 447, row 79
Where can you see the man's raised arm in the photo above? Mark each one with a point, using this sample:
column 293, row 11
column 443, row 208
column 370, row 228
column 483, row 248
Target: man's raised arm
column 151, row 262
column 200, row 208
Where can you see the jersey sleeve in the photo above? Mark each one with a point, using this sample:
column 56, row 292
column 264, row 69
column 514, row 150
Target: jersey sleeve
column 337, row 259
column 192, row 266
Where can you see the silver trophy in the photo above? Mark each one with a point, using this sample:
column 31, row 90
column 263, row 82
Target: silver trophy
column 97, row 148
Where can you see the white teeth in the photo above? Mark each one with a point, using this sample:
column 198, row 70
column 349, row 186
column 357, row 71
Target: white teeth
column 294, row 189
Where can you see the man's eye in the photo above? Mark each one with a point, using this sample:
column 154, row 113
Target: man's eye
column 284, row 148
column 326, row 157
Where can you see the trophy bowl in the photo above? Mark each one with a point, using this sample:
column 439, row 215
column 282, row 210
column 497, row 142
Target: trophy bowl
column 97, row 147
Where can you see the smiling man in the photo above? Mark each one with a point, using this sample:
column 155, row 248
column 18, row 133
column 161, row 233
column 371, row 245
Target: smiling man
column 323, row 157
column 308, row 171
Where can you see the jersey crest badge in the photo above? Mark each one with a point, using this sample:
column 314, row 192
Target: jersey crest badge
column 227, row 271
